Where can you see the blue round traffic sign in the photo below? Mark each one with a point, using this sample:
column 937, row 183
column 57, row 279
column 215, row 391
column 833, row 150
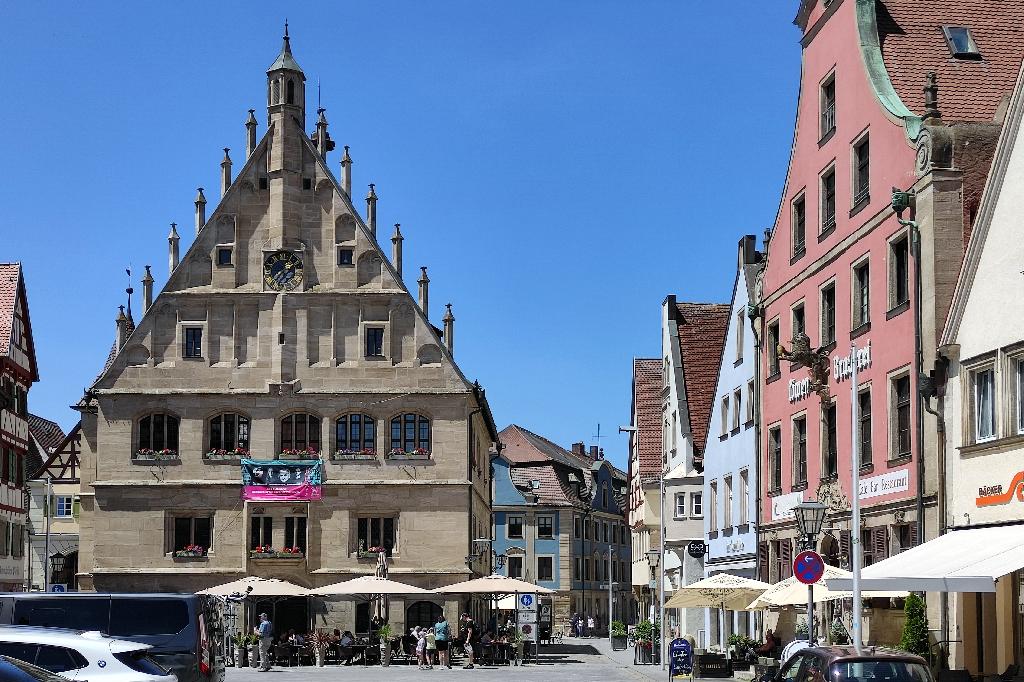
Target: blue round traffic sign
column 808, row 567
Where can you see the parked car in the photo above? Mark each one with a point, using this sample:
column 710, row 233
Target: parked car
column 13, row 670
column 843, row 664
column 183, row 629
column 79, row 655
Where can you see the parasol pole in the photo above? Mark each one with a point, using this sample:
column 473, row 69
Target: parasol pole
column 855, row 493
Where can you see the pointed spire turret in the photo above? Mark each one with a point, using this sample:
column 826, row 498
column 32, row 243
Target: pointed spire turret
column 371, row 210
column 122, row 327
column 424, row 283
column 172, row 248
column 286, row 84
column 396, row 249
column 250, row 133
column 449, row 329
column 346, row 173
column 225, row 172
column 322, row 138
column 147, row 290
column 200, row 210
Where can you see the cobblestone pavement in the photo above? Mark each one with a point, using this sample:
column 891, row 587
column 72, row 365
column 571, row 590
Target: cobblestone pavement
column 574, row 661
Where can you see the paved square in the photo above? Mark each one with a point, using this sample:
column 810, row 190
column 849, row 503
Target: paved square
column 571, row 662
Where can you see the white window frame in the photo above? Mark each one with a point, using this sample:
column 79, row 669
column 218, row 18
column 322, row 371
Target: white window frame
column 697, row 505
column 680, row 503
column 713, row 517
column 554, row 568
column 522, row 568
column 58, row 505
column 737, row 406
column 975, row 373
column 508, row 526
column 725, row 415
column 727, row 500
column 744, row 497
column 855, row 322
column 741, row 317
column 749, row 414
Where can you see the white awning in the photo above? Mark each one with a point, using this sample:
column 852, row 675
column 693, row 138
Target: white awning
column 968, row 560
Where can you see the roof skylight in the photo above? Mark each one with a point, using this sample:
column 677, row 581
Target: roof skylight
column 961, row 42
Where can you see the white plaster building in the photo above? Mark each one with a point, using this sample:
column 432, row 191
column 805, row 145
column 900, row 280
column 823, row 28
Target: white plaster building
column 730, row 457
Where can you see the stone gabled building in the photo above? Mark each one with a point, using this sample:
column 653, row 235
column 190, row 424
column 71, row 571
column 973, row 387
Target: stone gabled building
column 284, row 332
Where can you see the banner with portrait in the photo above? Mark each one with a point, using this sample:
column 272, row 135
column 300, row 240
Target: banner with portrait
column 282, row 480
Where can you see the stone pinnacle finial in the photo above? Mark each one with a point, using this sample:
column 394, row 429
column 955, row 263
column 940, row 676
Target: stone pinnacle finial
column 346, row 173
column 931, row 98
column 225, row 172
column 396, row 249
column 250, row 133
column 449, row 329
column 147, row 290
column 200, row 210
column 424, row 283
column 371, row 210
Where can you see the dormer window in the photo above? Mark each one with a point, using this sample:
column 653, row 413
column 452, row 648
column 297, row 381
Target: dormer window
column 961, row 42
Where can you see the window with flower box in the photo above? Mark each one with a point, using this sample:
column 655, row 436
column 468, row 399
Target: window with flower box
column 300, row 433
column 261, row 533
column 355, row 435
column 376, row 534
column 410, row 434
column 229, row 435
column 192, row 535
column 295, row 534
column 158, row 437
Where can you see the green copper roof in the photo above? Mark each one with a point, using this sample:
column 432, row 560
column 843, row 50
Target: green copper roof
column 871, row 51
column 285, row 60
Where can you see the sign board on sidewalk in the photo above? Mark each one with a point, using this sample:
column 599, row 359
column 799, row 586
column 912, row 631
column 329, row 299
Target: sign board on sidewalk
column 526, row 616
column 808, row 567
column 526, row 602
column 680, row 659
column 59, row 587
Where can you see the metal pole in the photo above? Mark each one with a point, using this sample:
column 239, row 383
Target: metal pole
column 46, row 544
column 855, row 494
column 810, row 615
column 609, row 596
column 661, row 583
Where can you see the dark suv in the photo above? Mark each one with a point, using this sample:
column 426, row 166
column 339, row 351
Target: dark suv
column 842, row 664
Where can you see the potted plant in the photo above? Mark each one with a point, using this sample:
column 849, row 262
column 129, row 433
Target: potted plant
column 320, row 640
column 307, row 453
column 364, row 454
column 517, row 638
column 385, row 644
column 190, row 552
column 147, row 454
column 644, row 634
column 239, row 640
column 368, row 553
column 220, row 454
column 618, row 635
column 253, row 650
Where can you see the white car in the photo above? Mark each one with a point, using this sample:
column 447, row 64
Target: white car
column 79, row 655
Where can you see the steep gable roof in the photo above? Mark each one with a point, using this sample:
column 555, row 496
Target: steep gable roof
column 12, row 294
column 63, row 463
column 912, row 44
column 647, row 385
column 702, row 328
column 46, row 432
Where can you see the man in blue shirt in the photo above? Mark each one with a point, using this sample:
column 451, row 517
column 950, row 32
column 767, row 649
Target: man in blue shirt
column 266, row 632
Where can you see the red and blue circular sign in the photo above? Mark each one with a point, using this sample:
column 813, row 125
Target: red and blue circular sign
column 808, row 567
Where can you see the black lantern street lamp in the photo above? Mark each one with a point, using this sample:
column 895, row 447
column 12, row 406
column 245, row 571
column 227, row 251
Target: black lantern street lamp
column 810, row 517
column 57, row 562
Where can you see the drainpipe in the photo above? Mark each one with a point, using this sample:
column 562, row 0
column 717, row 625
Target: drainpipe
column 758, row 615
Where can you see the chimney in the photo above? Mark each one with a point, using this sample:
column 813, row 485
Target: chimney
column 250, row 134
column 225, row 172
column 346, row 173
column 371, row 211
column 449, row 329
column 593, row 452
column 147, row 290
column 577, row 449
column 423, row 282
column 748, row 254
column 396, row 249
column 122, row 328
column 172, row 247
column 200, row 211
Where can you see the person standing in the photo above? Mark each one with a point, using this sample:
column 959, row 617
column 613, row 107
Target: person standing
column 590, row 626
column 265, row 630
column 442, row 635
column 469, row 637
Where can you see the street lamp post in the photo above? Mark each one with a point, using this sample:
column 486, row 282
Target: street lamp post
column 810, row 516
column 654, row 559
column 610, row 597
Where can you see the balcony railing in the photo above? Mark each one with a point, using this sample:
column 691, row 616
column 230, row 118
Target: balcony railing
column 828, row 119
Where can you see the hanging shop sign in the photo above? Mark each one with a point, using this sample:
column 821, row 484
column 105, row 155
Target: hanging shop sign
column 697, row 548
column 799, row 389
column 282, row 480
column 842, row 368
column 890, row 482
column 989, row 495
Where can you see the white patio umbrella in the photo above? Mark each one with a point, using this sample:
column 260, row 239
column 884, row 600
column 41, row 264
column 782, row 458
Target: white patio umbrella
column 792, row 592
column 260, row 587
column 367, row 586
column 721, row 591
column 493, row 584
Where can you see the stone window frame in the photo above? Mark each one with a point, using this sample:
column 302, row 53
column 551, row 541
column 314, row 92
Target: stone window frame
column 554, row 565
column 377, row 515
column 798, row 313
column 551, row 518
column 859, row 196
column 137, row 429
column 724, row 415
column 279, row 421
column 744, row 496
column 230, row 248
column 824, row 337
column 363, row 414
column 170, row 516
column 774, row 363
column 741, row 323
column 857, row 324
column 208, row 428
column 1013, row 389
column 823, row 443
column 826, row 223
column 829, row 79
column 797, row 248
column 894, row 305
column 798, row 484
column 737, row 407
column 865, row 389
column 201, row 325
column 749, row 405
column 352, row 253
column 774, row 459
column 420, row 414
column 679, row 502
column 508, row 566
column 713, row 517
column 895, row 456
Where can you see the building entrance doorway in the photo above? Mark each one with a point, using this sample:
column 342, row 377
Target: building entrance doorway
column 422, row 613
column 285, row 614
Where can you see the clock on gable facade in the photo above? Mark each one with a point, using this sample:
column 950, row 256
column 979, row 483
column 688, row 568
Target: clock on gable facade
column 282, row 271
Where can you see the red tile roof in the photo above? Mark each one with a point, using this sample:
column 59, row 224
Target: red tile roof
column 910, row 33
column 553, row 490
column 48, row 433
column 702, row 330
column 647, row 385
column 10, row 275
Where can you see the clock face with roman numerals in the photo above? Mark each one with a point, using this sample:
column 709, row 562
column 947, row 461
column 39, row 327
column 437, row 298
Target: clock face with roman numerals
column 282, row 271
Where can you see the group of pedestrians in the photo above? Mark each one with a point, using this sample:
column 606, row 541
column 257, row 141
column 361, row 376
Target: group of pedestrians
column 582, row 626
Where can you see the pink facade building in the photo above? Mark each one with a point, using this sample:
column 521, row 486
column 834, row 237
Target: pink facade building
column 841, row 269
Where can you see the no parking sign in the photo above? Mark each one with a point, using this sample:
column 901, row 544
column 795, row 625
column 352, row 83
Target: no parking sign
column 808, row 567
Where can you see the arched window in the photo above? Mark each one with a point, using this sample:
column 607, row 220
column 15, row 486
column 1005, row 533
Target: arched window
column 410, row 432
column 229, row 431
column 300, row 432
column 158, row 432
column 355, row 432
column 291, row 92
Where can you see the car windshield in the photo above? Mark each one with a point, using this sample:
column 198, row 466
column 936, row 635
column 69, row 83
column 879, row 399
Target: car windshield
column 879, row 671
column 32, row 671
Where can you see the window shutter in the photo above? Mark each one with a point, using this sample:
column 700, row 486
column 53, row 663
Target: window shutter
column 845, row 547
column 880, row 542
column 913, row 535
column 786, row 559
column 76, row 507
column 762, row 560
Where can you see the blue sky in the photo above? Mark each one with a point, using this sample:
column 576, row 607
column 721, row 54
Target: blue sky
column 560, row 166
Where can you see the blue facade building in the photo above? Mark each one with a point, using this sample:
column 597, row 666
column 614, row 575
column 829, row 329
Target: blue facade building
column 558, row 517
